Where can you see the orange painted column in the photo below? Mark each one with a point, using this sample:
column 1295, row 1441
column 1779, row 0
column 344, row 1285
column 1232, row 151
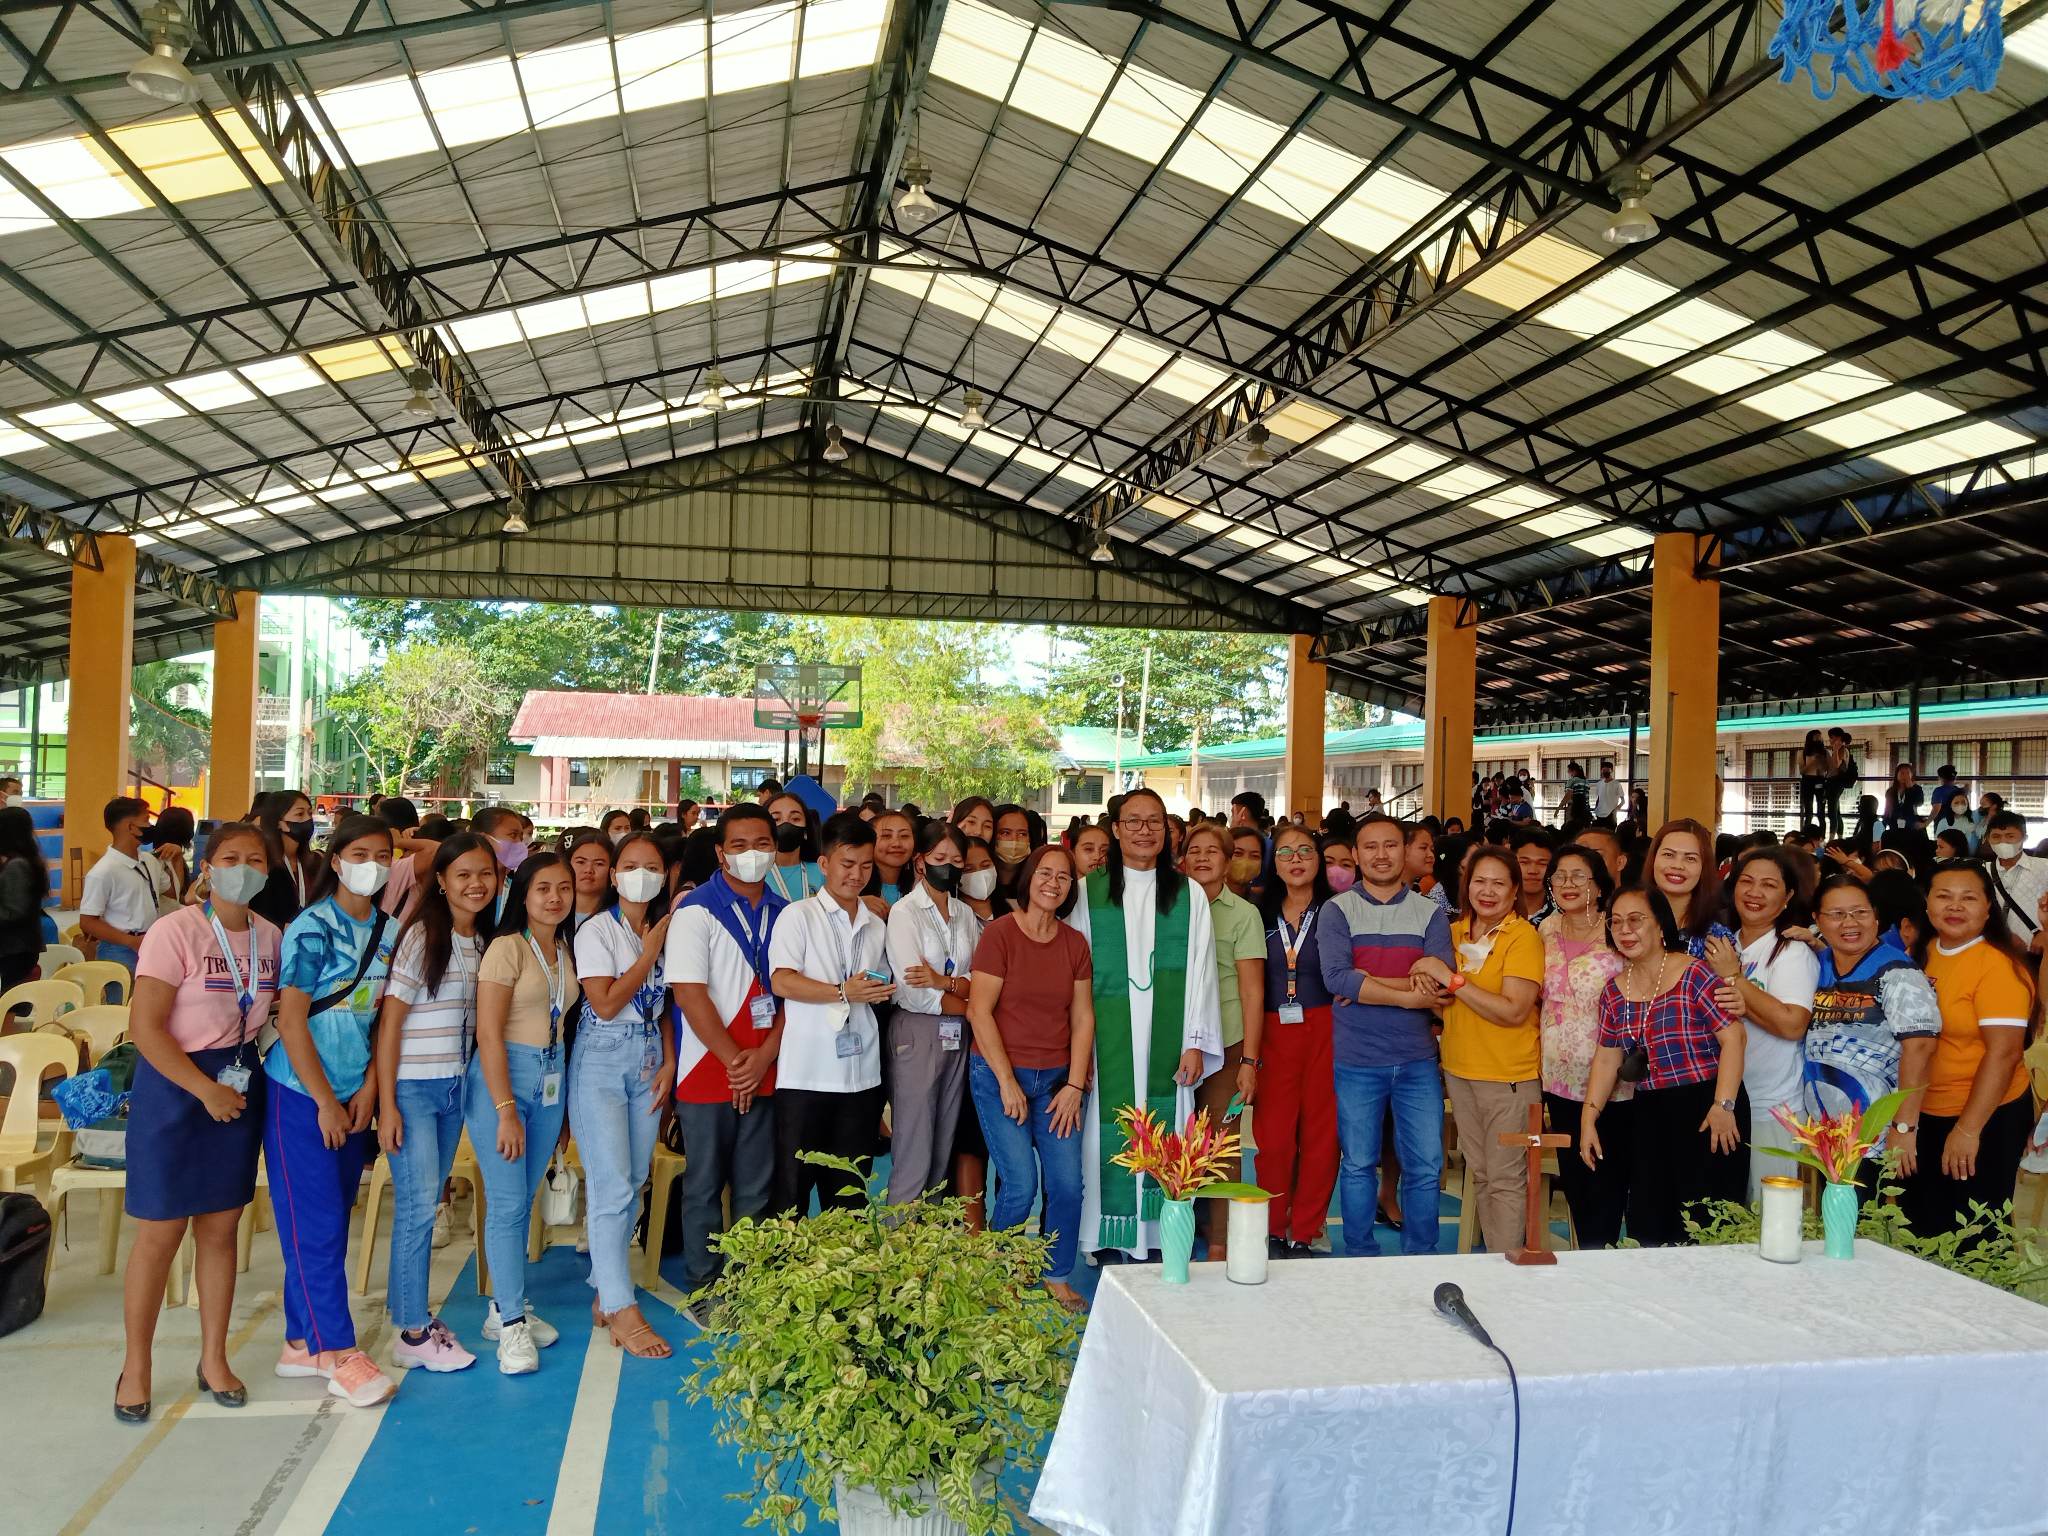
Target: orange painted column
column 96, row 718
column 1308, row 681
column 231, row 777
column 1450, row 702
column 1685, row 672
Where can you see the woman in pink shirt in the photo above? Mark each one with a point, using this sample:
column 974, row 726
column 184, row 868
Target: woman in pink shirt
column 205, row 980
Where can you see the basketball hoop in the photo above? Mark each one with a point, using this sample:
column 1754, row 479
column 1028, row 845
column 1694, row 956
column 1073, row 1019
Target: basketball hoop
column 807, row 719
column 1904, row 50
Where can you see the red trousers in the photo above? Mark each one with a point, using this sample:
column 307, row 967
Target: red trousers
column 1294, row 1122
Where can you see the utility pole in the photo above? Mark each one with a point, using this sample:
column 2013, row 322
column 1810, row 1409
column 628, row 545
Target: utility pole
column 1144, row 697
column 1116, row 781
column 654, row 665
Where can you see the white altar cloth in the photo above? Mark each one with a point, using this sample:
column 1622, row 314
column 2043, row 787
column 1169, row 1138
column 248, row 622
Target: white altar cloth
column 1663, row 1391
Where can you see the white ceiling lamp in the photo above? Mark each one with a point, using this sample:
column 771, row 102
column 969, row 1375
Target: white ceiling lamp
column 970, row 411
column 835, row 446
column 422, row 403
column 1102, row 554
column 160, row 74
column 515, row 519
column 914, row 203
column 1634, row 223
column 1256, row 454
column 713, row 399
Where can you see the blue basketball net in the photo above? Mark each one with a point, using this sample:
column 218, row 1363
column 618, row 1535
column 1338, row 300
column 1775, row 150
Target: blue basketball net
column 1925, row 50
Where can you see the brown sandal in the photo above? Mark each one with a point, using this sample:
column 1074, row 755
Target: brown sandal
column 637, row 1337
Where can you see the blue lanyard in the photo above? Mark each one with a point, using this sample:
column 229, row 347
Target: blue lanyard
column 558, row 987
column 244, row 983
column 754, row 944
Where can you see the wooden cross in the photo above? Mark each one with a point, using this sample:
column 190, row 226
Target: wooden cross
column 1532, row 1250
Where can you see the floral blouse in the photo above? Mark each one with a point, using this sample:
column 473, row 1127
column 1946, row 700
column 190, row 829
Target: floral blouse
column 1570, row 1016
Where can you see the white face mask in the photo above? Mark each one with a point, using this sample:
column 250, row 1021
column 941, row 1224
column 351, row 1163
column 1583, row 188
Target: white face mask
column 750, row 866
column 238, row 882
column 2006, row 850
column 621, row 835
column 978, row 884
column 365, row 879
column 638, row 884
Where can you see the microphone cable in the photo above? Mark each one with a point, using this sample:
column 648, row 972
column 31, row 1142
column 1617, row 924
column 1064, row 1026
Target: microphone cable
column 1515, row 1459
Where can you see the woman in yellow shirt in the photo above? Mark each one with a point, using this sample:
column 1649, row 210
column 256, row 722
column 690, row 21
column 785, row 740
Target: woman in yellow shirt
column 1975, row 1118
column 1492, row 1047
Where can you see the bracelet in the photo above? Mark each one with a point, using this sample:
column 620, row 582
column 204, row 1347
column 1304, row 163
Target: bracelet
column 1254, row 1062
column 504, row 1104
column 1457, row 980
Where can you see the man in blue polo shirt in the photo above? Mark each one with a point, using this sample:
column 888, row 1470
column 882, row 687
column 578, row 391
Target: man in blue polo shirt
column 1384, row 1038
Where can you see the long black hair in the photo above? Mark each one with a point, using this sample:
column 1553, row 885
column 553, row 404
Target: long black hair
column 434, row 919
column 1170, row 879
column 270, row 818
column 1274, row 892
column 352, row 828
column 18, row 841
column 513, row 919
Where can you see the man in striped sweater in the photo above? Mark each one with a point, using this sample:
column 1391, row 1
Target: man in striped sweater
column 1384, row 1038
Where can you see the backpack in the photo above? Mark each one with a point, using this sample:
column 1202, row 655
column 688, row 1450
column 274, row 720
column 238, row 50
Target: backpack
column 24, row 1251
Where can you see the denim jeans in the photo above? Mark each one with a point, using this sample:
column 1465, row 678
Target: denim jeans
column 120, row 954
column 1416, row 1092
column 614, row 1117
column 430, row 1114
column 509, row 1187
column 1020, row 1154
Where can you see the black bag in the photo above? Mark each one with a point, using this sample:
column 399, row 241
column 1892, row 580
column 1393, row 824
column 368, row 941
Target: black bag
column 24, row 1249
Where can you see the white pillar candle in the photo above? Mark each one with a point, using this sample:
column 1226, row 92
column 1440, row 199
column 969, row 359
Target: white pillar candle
column 1247, row 1262
column 1783, row 1218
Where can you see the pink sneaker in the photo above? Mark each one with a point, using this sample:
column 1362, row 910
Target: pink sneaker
column 440, row 1350
column 358, row 1382
column 297, row 1361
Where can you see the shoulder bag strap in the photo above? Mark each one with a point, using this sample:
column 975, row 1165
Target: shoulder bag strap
column 362, row 968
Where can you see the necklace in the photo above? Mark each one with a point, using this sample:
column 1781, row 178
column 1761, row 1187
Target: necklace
column 1631, row 981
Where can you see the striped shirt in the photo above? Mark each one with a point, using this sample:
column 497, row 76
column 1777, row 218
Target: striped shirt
column 1356, row 935
column 440, row 1026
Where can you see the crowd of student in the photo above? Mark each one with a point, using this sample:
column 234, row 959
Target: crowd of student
column 766, row 986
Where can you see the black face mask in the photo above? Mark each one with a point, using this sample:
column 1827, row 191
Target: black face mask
column 789, row 838
column 300, row 832
column 942, row 878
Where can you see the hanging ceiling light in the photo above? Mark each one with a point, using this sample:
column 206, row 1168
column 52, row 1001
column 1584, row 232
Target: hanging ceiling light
column 160, row 74
column 713, row 399
column 1256, row 454
column 970, row 411
column 421, row 404
column 915, row 202
column 1102, row 554
column 835, row 448
column 1634, row 223
column 515, row 519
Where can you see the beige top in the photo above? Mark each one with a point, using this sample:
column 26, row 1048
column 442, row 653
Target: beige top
column 510, row 962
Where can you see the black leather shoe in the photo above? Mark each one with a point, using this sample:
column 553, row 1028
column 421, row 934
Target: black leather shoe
column 129, row 1413
column 234, row 1397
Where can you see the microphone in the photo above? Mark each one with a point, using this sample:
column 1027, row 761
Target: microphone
column 1450, row 1301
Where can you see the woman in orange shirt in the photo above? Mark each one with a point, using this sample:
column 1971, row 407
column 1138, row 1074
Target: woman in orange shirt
column 1974, row 1121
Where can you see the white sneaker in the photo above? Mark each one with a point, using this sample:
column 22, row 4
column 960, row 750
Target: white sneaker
column 442, row 1236
column 516, row 1353
column 544, row 1332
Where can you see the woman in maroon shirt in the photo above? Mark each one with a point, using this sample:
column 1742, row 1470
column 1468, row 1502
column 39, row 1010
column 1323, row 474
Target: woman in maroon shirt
column 1033, row 1015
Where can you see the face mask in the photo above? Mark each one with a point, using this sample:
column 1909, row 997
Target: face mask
column 1341, row 878
column 638, row 884
column 1243, row 867
column 750, row 866
column 978, row 886
column 2006, row 850
column 362, row 879
column 510, row 854
column 1012, row 850
column 238, row 882
column 788, row 838
column 942, row 877
column 620, row 837
column 300, row 832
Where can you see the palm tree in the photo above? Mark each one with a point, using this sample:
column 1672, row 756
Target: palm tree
column 171, row 738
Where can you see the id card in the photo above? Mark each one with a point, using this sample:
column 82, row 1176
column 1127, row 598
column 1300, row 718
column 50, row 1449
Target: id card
column 762, row 1007
column 846, row 1043
column 363, row 999
column 550, row 1089
column 949, row 1033
column 1290, row 1013
column 233, row 1076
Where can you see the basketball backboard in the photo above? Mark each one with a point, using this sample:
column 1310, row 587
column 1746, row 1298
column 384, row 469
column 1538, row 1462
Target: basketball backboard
column 809, row 695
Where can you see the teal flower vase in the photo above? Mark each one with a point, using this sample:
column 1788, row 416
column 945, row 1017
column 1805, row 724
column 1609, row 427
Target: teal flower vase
column 1838, row 1220
column 1176, row 1239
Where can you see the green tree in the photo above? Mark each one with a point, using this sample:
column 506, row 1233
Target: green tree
column 1227, row 687
column 169, row 738
column 427, row 712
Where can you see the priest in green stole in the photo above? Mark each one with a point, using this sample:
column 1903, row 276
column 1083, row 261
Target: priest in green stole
column 1158, row 1027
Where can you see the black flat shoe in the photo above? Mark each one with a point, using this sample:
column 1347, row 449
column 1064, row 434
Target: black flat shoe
column 129, row 1413
column 234, row 1397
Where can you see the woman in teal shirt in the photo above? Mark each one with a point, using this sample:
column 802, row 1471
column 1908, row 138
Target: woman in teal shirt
column 331, row 975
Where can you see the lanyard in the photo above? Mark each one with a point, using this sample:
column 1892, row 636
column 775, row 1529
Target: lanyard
column 465, row 978
column 298, row 880
column 558, row 988
column 245, row 990
column 850, row 948
column 1292, row 941
column 755, row 945
column 943, row 932
column 647, row 997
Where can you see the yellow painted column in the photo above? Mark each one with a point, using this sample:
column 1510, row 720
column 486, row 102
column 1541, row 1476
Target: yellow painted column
column 1450, row 698
column 231, row 780
column 1685, row 668
column 1308, row 681
column 96, row 721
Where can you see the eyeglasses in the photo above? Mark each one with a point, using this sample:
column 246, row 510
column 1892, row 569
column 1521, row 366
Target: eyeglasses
column 1293, row 855
column 1148, row 824
column 1849, row 915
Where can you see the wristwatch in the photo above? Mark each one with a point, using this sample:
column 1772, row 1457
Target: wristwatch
column 1727, row 1104
column 1904, row 1128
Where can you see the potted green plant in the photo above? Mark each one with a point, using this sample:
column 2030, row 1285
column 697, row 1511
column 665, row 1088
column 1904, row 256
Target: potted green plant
column 884, row 1363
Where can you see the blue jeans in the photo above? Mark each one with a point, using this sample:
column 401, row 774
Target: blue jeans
column 1416, row 1092
column 509, row 1187
column 120, row 954
column 614, row 1116
column 1021, row 1153
column 430, row 1114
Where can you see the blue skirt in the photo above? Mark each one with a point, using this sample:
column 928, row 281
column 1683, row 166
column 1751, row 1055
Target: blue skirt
column 183, row 1162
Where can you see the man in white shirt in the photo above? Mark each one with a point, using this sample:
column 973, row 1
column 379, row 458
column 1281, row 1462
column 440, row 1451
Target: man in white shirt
column 119, row 901
column 2020, row 877
column 829, row 965
column 1606, row 795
